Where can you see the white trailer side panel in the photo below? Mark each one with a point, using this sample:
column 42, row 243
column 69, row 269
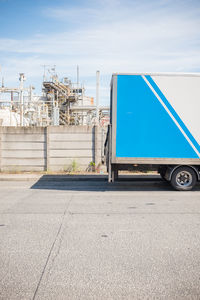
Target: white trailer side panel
column 183, row 93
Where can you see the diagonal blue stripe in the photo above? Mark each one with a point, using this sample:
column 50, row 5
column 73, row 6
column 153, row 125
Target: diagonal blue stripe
column 173, row 112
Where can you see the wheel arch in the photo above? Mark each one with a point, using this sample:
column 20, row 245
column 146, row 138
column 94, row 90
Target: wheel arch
column 171, row 169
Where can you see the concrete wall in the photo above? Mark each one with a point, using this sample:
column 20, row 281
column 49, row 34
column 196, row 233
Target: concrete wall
column 54, row 148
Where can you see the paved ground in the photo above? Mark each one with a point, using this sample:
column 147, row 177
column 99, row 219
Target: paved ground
column 71, row 239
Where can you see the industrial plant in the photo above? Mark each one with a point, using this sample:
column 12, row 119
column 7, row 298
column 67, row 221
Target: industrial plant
column 61, row 102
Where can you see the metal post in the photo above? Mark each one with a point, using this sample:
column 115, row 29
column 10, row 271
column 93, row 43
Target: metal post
column 11, row 99
column 21, row 107
column 52, row 108
column 97, row 96
column 21, row 96
column 102, row 144
column 82, row 97
column 1, row 137
column 77, row 76
column 31, row 93
column 44, row 74
column 11, row 104
column 96, row 145
column 46, row 132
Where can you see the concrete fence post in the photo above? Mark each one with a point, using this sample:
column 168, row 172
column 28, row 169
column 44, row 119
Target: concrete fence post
column 1, row 141
column 96, row 145
column 47, row 148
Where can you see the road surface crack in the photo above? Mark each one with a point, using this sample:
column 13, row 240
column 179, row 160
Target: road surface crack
column 51, row 249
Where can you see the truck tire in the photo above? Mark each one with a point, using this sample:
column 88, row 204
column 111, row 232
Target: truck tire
column 183, row 179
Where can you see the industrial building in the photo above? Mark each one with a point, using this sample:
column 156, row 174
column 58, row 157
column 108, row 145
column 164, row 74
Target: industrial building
column 61, row 103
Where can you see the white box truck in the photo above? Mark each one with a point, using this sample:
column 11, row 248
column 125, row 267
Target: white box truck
column 155, row 122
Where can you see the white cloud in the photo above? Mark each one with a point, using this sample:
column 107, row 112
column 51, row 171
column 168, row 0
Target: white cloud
column 112, row 37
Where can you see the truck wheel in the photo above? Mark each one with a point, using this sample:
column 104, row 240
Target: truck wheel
column 183, row 179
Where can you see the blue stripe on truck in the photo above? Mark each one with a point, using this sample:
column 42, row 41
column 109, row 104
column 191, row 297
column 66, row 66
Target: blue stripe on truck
column 173, row 112
column 144, row 128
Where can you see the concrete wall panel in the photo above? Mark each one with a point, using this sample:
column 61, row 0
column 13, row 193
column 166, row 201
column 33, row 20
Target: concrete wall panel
column 71, row 153
column 23, row 137
column 23, row 162
column 70, row 145
column 17, row 168
column 55, row 148
column 71, row 129
column 71, row 137
column 65, row 161
column 23, row 145
column 23, row 154
column 67, row 168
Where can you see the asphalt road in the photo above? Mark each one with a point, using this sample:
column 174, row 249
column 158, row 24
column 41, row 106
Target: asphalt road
column 71, row 239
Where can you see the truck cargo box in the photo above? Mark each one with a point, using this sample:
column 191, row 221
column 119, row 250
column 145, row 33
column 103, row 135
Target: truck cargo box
column 155, row 119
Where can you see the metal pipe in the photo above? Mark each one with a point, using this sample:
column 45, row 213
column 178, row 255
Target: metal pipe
column 77, row 76
column 11, row 107
column 21, row 96
column 97, row 96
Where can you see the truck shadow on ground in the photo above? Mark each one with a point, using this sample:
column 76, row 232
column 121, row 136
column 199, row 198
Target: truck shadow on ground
column 99, row 183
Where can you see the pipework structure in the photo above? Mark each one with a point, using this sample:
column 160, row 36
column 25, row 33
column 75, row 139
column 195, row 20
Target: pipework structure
column 68, row 104
column 20, row 107
column 62, row 103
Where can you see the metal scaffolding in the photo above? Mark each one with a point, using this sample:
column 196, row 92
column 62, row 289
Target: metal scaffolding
column 62, row 103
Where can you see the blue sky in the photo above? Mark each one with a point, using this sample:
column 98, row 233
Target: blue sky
column 106, row 35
